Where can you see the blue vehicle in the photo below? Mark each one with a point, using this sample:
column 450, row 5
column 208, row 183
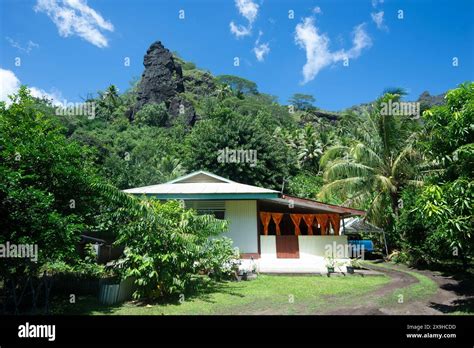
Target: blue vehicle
column 365, row 245
column 354, row 229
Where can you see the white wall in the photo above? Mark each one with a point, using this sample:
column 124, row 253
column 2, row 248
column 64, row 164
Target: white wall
column 268, row 247
column 242, row 216
column 312, row 255
column 311, row 246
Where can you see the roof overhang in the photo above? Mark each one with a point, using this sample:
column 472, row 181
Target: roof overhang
column 324, row 207
column 203, row 185
column 214, row 196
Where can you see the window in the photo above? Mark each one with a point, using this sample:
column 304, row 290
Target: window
column 218, row 214
column 216, row 208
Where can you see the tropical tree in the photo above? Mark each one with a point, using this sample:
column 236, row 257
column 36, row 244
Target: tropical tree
column 306, row 143
column 111, row 95
column 223, row 91
column 400, row 91
column 167, row 246
column 47, row 201
column 45, row 195
column 256, row 157
column 51, row 194
column 170, row 168
column 153, row 114
column 108, row 102
column 239, row 85
column 302, row 102
column 379, row 160
column 305, row 184
column 448, row 198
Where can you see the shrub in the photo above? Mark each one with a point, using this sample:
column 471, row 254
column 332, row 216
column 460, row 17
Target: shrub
column 166, row 247
column 152, row 115
column 219, row 258
column 305, row 184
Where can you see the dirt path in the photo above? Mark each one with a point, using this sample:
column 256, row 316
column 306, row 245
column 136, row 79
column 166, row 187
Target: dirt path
column 452, row 294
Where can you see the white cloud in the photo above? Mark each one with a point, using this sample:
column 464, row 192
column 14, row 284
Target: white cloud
column 317, row 10
column 261, row 49
column 378, row 19
column 249, row 10
column 239, row 30
column 360, row 41
column 316, row 45
column 9, row 84
column 27, row 49
column 53, row 96
column 376, row 2
column 75, row 17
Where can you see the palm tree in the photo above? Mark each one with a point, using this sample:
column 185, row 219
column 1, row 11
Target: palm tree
column 108, row 101
column 306, row 144
column 309, row 148
column 169, row 168
column 379, row 160
column 400, row 91
column 111, row 96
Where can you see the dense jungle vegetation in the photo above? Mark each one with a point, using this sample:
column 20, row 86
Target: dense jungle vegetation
column 61, row 175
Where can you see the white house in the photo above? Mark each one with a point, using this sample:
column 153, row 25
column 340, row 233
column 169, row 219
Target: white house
column 281, row 233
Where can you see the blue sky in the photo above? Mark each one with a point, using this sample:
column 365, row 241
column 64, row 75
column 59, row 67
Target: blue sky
column 72, row 48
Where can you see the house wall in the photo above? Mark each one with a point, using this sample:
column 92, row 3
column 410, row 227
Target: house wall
column 312, row 255
column 242, row 217
column 309, row 246
column 267, row 247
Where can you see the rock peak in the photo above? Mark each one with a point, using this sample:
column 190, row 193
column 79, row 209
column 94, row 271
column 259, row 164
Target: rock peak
column 162, row 79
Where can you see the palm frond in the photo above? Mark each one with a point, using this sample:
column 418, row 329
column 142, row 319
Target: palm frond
column 364, row 154
column 386, row 184
column 332, row 153
column 416, row 183
column 340, row 169
column 342, row 187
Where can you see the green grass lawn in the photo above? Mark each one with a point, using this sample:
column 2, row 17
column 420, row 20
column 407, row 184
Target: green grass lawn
column 423, row 289
column 268, row 294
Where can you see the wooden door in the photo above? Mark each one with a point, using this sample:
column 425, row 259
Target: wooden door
column 287, row 247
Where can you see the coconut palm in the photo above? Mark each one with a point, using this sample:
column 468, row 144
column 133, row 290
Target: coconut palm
column 309, row 147
column 306, row 143
column 400, row 91
column 379, row 160
column 169, row 168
